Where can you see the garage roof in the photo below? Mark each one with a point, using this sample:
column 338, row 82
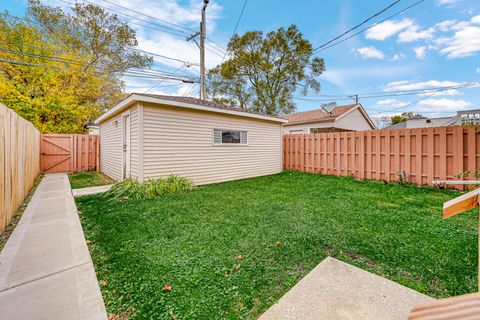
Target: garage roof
column 185, row 102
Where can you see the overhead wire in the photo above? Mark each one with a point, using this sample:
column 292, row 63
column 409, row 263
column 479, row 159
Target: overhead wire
column 358, row 25
column 236, row 26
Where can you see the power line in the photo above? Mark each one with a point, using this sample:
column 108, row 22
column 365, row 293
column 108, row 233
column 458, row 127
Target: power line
column 358, row 25
column 174, row 32
column 236, row 25
column 393, row 94
column 154, row 86
column 70, row 61
column 152, row 76
column 151, row 17
column 134, row 49
column 373, row 25
column 166, row 57
column 405, row 106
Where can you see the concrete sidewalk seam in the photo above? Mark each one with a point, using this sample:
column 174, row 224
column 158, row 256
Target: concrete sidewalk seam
column 46, row 276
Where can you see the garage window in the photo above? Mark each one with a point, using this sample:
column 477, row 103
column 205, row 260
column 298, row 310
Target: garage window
column 224, row 136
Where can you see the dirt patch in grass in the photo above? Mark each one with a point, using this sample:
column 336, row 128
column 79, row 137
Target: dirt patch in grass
column 18, row 214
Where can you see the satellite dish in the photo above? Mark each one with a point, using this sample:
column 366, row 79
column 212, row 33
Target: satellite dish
column 329, row 106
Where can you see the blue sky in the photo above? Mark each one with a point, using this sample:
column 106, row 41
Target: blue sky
column 435, row 44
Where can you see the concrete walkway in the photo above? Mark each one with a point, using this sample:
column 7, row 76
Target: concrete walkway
column 91, row 190
column 46, row 271
column 337, row 290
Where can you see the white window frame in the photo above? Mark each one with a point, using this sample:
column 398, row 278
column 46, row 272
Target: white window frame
column 231, row 144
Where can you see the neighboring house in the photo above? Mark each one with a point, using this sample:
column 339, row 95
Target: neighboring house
column 153, row 136
column 343, row 118
column 93, row 129
column 462, row 118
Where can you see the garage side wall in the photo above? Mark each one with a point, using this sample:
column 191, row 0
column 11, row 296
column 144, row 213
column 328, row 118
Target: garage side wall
column 178, row 141
column 111, row 147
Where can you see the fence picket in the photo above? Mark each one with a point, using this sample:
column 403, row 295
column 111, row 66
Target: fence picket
column 422, row 154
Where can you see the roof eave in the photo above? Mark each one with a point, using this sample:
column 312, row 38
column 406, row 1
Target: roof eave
column 310, row 121
column 149, row 99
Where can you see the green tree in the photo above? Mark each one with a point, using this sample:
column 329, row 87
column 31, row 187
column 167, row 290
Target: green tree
column 68, row 67
column 264, row 72
column 404, row 117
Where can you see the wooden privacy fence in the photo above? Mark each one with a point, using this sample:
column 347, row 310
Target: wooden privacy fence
column 417, row 156
column 69, row 153
column 19, row 161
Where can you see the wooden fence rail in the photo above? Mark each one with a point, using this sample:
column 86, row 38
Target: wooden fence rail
column 69, row 153
column 19, row 161
column 417, row 156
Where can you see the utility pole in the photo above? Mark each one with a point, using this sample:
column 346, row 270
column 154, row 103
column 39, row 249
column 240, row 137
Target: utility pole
column 201, row 46
column 356, row 98
column 203, row 31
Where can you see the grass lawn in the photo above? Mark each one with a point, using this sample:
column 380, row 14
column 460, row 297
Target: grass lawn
column 88, row 179
column 192, row 242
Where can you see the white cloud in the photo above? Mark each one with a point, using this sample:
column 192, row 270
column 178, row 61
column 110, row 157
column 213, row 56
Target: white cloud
column 476, row 19
column 397, row 57
column 449, row 3
column 414, row 33
column 478, row 70
column 387, row 29
column 412, row 85
column 464, row 43
column 442, row 105
column 370, row 53
column 390, row 103
column 446, row 25
column 420, row 52
column 406, row 85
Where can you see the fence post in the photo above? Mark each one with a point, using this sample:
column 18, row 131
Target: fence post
column 97, row 154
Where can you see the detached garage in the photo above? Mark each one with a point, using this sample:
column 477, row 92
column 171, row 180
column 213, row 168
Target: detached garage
column 154, row 136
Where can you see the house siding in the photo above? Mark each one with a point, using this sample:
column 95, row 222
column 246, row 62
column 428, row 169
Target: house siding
column 134, row 143
column 111, row 147
column 307, row 126
column 354, row 121
column 180, row 141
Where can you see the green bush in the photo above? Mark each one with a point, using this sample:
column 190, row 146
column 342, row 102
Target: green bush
column 132, row 189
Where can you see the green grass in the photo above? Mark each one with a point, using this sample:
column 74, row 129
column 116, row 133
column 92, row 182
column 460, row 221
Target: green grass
column 192, row 242
column 88, row 179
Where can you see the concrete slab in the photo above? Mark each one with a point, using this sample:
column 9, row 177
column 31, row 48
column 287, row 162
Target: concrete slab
column 46, row 271
column 91, row 190
column 51, row 297
column 337, row 290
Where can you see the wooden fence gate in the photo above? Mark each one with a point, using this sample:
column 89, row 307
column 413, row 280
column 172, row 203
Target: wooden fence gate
column 69, row 153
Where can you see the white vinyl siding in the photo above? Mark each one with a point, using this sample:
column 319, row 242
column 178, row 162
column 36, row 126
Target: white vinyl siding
column 354, row 121
column 134, row 145
column 181, row 142
column 111, row 147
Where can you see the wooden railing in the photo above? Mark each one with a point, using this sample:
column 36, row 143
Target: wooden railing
column 19, row 161
column 460, row 307
column 417, row 156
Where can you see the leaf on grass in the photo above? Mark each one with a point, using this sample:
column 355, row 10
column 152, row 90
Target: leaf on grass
column 112, row 316
column 240, row 257
column 167, row 287
column 237, row 268
column 172, row 315
column 103, row 283
column 88, row 241
column 277, row 243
